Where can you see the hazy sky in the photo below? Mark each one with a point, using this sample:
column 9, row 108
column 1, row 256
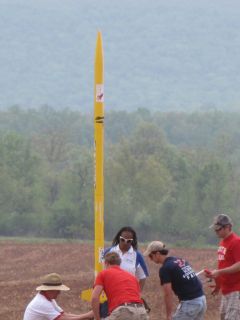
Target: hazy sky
column 158, row 53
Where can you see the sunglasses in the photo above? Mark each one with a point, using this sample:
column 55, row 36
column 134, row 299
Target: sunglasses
column 125, row 240
column 220, row 228
column 151, row 254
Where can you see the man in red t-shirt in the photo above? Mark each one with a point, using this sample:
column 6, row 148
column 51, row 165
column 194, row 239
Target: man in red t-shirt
column 122, row 291
column 227, row 276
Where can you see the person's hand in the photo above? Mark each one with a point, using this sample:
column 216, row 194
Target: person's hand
column 207, row 273
column 146, row 306
column 214, row 274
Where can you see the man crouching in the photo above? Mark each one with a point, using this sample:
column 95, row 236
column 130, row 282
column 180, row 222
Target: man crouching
column 44, row 306
column 122, row 291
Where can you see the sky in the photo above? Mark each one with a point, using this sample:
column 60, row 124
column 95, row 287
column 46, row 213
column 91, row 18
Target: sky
column 159, row 54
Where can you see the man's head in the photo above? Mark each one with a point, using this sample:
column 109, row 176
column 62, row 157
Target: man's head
column 156, row 251
column 112, row 259
column 222, row 225
column 52, row 285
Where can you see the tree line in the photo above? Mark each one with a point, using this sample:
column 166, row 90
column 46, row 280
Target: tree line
column 166, row 174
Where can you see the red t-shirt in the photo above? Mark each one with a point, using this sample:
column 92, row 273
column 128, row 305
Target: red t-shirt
column 228, row 254
column 119, row 285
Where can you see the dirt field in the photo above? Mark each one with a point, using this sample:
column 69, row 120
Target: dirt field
column 23, row 264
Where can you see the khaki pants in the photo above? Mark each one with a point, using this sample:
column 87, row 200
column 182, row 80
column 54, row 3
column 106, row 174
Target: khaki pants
column 128, row 313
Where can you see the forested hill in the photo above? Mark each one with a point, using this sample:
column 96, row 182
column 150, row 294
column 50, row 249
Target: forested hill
column 166, row 174
column 159, row 54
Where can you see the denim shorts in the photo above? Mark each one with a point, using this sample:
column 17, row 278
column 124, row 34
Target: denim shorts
column 191, row 309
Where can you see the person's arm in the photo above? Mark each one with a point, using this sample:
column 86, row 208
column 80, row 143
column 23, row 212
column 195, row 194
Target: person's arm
column 141, row 283
column 70, row 316
column 232, row 269
column 141, row 270
column 168, row 299
column 95, row 301
column 216, row 286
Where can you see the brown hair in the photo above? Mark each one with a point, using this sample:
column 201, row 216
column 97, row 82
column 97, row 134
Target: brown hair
column 112, row 258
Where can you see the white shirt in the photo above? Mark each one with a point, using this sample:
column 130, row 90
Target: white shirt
column 129, row 262
column 40, row 308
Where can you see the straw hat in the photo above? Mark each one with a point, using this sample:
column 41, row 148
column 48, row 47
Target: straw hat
column 52, row 281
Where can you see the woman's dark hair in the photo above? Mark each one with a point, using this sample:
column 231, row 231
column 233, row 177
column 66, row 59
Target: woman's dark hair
column 128, row 229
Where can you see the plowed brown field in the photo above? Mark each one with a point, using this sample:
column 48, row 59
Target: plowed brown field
column 22, row 265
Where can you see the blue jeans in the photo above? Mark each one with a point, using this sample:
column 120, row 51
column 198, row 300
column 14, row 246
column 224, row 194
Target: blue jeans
column 191, row 309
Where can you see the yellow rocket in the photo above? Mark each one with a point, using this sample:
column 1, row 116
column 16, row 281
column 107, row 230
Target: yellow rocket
column 99, row 155
column 98, row 162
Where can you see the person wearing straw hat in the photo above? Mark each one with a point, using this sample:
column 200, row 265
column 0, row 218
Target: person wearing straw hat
column 44, row 306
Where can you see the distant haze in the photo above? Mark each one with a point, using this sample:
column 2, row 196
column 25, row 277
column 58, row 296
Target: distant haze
column 159, row 54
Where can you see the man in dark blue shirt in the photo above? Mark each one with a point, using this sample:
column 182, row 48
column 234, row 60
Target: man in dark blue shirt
column 176, row 275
